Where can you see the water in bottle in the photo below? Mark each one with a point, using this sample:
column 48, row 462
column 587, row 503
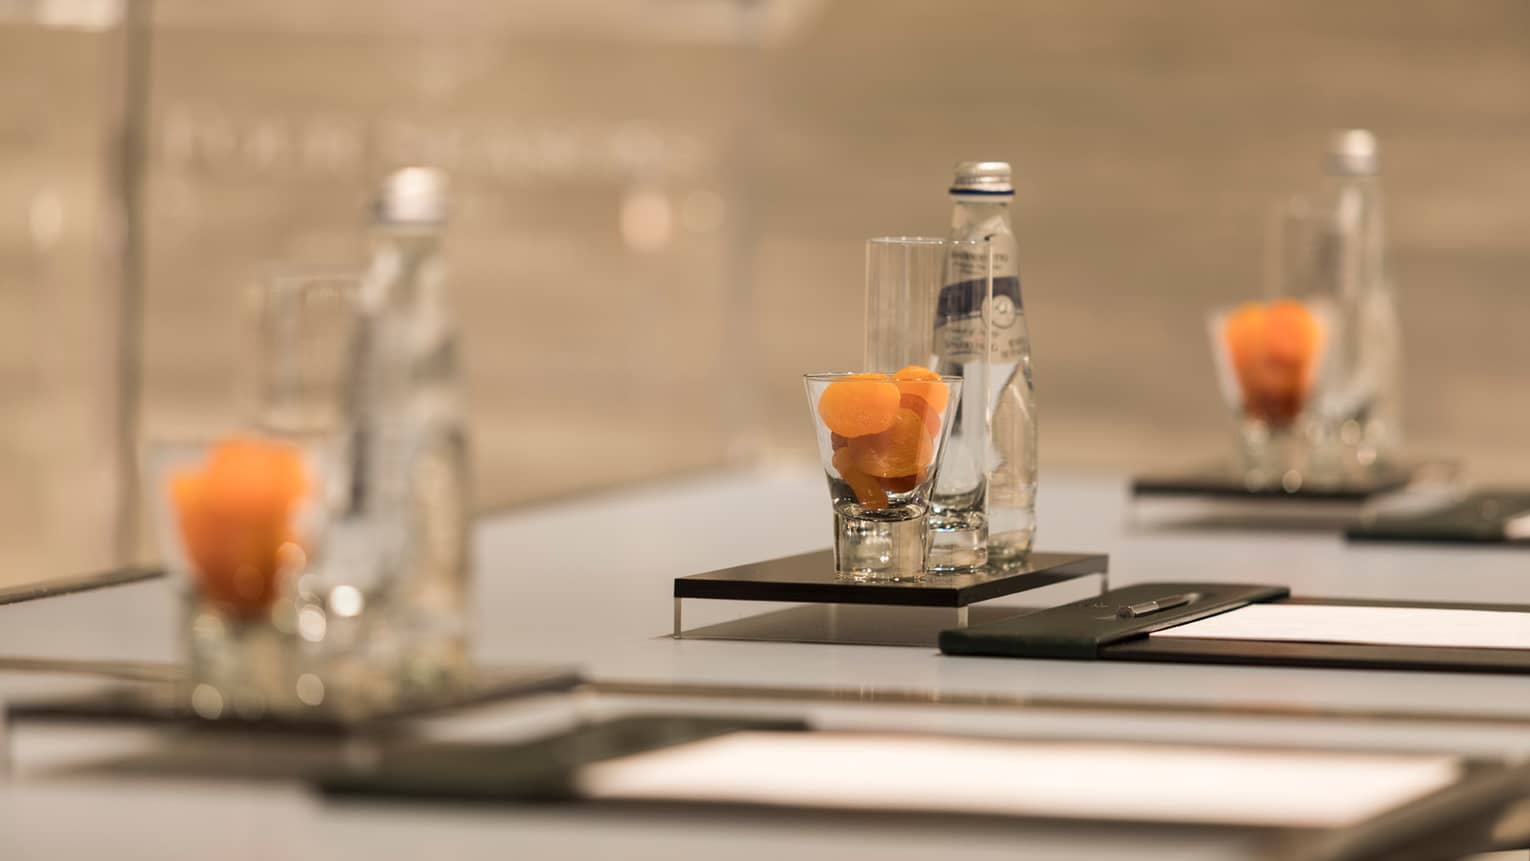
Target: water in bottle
column 985, row 496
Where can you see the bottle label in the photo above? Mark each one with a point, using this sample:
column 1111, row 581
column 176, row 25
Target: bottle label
column 965, row 312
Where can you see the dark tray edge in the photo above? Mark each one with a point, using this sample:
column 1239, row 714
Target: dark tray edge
column 1068, row 566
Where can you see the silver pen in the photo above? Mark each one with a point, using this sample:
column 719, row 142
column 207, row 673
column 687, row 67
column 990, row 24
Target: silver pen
column 1131, row 611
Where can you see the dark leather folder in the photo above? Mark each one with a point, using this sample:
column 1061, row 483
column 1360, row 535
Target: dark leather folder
column 1095, row 629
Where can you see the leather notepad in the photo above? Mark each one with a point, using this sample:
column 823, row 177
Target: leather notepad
column 1102, row 629
column 1081, row 629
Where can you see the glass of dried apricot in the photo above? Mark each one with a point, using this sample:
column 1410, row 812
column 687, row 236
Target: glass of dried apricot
column 1269, row 357
column 880, row 437
column 239, row 522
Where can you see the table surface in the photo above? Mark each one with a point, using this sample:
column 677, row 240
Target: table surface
column 589, row 582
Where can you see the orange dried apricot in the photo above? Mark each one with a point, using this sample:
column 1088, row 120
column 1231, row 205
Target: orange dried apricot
column 925, row 384
column 903, row 449
column 1290, row 333
column 1244, row 333
column 867, row 490
column 256, row 478
column 859, row 405
column 917, row 404
column 902, row 483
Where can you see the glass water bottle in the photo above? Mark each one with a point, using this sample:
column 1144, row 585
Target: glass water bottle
column 1362, row 408
column 982, row 337
column 403, row 531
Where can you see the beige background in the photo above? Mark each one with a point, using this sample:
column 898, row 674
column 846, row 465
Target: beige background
column 661, row 208
column 59, row 302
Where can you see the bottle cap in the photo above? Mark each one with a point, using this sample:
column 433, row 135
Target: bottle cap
column 1352, row 152
column 983, row 177
column 413, row 195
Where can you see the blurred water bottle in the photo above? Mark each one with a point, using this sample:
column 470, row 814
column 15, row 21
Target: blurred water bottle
column 407, row 511
column 1362, row 409
column 982, row 337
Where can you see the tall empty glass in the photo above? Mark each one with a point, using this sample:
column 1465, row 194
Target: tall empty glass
column 904, row 281
column 1326, row 251
column 305, row 321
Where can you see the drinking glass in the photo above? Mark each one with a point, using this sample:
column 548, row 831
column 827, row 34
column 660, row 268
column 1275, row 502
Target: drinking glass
column 240, row 522
column 1268, row 358
column 927, row 304
column 305, row 323
column 1317, row 257
column 880, row 440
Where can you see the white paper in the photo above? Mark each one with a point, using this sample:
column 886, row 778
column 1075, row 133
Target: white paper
column 1073, row 780
column 1393, row 626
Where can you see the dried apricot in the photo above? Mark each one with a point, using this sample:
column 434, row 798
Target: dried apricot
column 255, row 478
column 903, row 449
column 925, row 384
column 1290, row 333
column 917, row 404
column 859, row 405
column 902, row 483
column 1244, row 332
column 867, row 491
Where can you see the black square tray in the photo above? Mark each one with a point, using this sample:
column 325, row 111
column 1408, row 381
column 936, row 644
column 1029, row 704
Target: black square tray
column 809, row 579
column 1221, row 480
column 167, row 703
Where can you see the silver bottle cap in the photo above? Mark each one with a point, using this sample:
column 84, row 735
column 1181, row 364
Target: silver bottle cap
column 1352, row 152
column 413, row 195
column 983, row 177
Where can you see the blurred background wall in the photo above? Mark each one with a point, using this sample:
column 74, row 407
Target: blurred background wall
column 660, row 206
column 61, row 353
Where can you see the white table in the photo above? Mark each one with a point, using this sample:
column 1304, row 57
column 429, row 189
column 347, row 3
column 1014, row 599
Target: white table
column 588, row 582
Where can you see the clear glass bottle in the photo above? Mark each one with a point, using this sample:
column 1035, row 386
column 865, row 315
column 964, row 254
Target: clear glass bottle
column 402, row 536
column 988, row 344
column 1361, row 413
